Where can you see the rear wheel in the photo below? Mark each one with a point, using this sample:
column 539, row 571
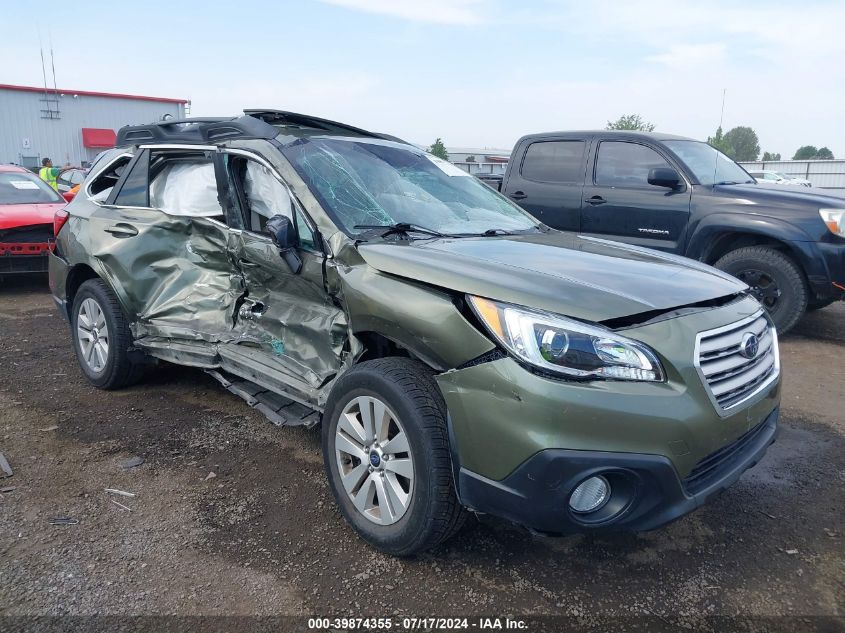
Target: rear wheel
column 101, row 337
column 386, row 452
column 775, row 280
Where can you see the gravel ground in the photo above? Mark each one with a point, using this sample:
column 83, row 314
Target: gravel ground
column 232, row 516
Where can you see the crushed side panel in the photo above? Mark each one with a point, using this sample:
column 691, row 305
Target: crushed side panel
column 290, row 317
column 422, row 319
column 175, row 275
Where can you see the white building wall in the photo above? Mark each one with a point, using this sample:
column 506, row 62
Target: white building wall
column 22, row 123
column 481, row 163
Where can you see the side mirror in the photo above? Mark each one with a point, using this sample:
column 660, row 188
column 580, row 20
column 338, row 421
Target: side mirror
column 283, row 233
column 68, row 195
column 664, row 177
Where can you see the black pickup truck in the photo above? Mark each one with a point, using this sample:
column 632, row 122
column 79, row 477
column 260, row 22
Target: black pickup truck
column 679, row 195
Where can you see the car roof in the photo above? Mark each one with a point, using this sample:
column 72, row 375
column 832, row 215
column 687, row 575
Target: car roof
column 621, row 134
column 254, row 124
column 16, row 168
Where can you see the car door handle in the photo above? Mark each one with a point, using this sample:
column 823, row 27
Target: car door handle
column 122, row 230
column 518, row 195
column 595, row 200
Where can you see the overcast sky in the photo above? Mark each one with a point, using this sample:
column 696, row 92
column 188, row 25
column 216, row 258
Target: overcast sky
column 475, row 72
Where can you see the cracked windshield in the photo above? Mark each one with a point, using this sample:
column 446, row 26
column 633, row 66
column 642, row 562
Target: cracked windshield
column 380, row 183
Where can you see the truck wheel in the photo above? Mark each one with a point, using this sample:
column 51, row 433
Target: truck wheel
column 775, row 280
column 386, row 453
column 101, row 337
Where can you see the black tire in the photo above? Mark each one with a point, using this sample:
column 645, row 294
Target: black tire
column 775, row 279
column 408, row 388
column 119, row 369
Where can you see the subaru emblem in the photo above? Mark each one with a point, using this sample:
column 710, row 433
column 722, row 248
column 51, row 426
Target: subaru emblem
column 750, row 345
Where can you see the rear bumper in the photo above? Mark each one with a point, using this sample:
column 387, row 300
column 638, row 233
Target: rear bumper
column 59, row 270
column 646, row 491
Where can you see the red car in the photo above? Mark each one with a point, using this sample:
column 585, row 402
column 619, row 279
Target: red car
column 27, row 207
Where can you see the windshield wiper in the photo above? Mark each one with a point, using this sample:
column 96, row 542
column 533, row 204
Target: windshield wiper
column 495, row 232
column 400, row 227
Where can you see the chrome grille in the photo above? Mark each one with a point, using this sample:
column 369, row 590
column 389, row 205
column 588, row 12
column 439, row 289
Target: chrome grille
column 730, row 376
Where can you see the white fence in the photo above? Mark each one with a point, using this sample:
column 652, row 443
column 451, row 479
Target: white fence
column 824, row 174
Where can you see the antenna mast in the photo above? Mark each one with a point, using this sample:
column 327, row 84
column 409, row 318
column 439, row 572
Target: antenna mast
column 53, row 65
column 43, row 71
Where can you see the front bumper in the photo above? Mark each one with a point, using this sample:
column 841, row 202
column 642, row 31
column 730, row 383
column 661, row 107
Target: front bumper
column 23, row 257
column 646, row 490
column 521, row 441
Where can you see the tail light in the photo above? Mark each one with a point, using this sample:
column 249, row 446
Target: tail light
column 59, row 219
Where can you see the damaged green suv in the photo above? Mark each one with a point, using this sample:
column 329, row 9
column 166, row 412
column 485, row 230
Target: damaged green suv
column 460, row 355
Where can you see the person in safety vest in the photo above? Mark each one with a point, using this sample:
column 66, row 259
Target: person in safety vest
column 49, row 174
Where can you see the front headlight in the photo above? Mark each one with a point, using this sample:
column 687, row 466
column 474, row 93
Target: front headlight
column 835, row 220
column 565, row 346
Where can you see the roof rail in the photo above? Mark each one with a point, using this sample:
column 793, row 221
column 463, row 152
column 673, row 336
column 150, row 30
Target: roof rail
column 309, row 121
column 198, row 130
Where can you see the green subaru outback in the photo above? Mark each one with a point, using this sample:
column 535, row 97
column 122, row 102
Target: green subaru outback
column 460, row 356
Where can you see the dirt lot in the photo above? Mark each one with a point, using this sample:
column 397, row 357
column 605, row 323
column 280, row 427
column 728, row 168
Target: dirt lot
column 261, row 536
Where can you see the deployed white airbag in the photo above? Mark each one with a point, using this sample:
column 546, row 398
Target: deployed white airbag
column 186, row 189
column 267, row 196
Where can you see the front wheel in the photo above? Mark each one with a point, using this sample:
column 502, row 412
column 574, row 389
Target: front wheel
column 775, row 280
column 386, row 453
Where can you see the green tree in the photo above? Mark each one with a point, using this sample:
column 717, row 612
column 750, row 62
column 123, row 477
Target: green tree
column 806, row 152
column 718, row 141
column 438, row 149
column 809, row 152
column 770, row 156
column 743, row 142
column 630, row 122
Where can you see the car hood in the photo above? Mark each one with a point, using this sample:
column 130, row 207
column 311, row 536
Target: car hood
column 15, row 215
column 775, row 194
column 581, row 277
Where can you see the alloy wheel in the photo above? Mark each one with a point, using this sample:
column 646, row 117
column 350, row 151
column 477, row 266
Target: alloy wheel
column 374, row 460
column 763, row 286
column 92, row 333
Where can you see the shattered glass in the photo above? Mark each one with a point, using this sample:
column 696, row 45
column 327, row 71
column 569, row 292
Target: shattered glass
column 369, row 182
column 348, row 195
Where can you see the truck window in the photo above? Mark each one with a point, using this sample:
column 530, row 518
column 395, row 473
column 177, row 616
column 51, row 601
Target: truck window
column 623, row 164
column 554, row 161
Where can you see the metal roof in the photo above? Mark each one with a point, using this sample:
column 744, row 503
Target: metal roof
column 90, row 93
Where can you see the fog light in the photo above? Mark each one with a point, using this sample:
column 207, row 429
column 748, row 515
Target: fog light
column 590, row 495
